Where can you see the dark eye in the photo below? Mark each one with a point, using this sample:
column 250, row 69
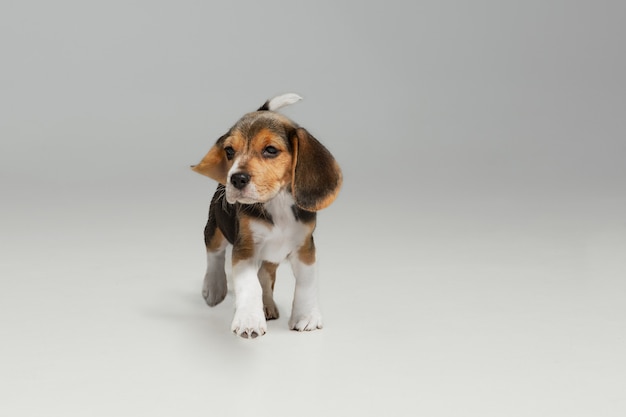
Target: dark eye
column 230, row 152
column 270, row 152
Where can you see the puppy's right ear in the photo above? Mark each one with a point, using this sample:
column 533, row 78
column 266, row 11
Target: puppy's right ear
column 214, row 164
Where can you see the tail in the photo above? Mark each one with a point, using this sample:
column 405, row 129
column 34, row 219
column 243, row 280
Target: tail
column 277, row 102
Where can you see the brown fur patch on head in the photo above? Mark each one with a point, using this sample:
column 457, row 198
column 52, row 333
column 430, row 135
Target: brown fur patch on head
column 270, row 173
column 236, row 141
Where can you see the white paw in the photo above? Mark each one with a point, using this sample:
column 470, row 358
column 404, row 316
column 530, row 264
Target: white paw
column 249, row 323
column 306, row 322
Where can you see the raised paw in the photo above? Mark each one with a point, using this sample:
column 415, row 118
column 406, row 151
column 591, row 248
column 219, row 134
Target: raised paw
column 306, row 322
column 249, row 324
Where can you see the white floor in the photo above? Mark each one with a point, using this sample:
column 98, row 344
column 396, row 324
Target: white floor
column 502, row 308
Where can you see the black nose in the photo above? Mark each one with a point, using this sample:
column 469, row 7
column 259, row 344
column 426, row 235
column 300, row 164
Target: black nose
column 239, row 180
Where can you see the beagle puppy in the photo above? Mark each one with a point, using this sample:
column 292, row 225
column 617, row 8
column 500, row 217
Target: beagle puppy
column 273, row 177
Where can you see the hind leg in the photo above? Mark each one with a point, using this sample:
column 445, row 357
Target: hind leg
column 267, row 278
column 215, row 288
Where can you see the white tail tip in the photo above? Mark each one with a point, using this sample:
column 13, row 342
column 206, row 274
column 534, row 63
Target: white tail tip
column 281, row 101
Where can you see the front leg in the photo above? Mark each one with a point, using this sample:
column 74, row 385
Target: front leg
column 214, row 287
column 249, row 320
column 305, row 313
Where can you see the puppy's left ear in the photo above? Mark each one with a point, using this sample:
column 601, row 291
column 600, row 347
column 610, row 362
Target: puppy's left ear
column 214, row 164
column 316, row 177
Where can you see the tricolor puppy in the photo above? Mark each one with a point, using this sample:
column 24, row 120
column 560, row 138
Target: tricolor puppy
column 273, row 177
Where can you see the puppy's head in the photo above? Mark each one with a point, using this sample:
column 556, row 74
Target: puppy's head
column 265, row 153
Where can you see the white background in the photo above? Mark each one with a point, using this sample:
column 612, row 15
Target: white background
column 473, row 265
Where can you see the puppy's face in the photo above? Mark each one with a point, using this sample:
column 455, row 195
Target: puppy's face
column 265, row 153
column 256, row 157
column 259, row 159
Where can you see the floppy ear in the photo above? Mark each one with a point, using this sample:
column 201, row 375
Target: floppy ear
column 214, row 164
column 316, row 177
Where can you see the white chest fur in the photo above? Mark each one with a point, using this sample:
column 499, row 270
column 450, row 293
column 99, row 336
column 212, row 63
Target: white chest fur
column 274, row 242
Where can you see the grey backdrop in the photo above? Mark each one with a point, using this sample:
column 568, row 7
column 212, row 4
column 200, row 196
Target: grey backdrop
column 473, row 264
